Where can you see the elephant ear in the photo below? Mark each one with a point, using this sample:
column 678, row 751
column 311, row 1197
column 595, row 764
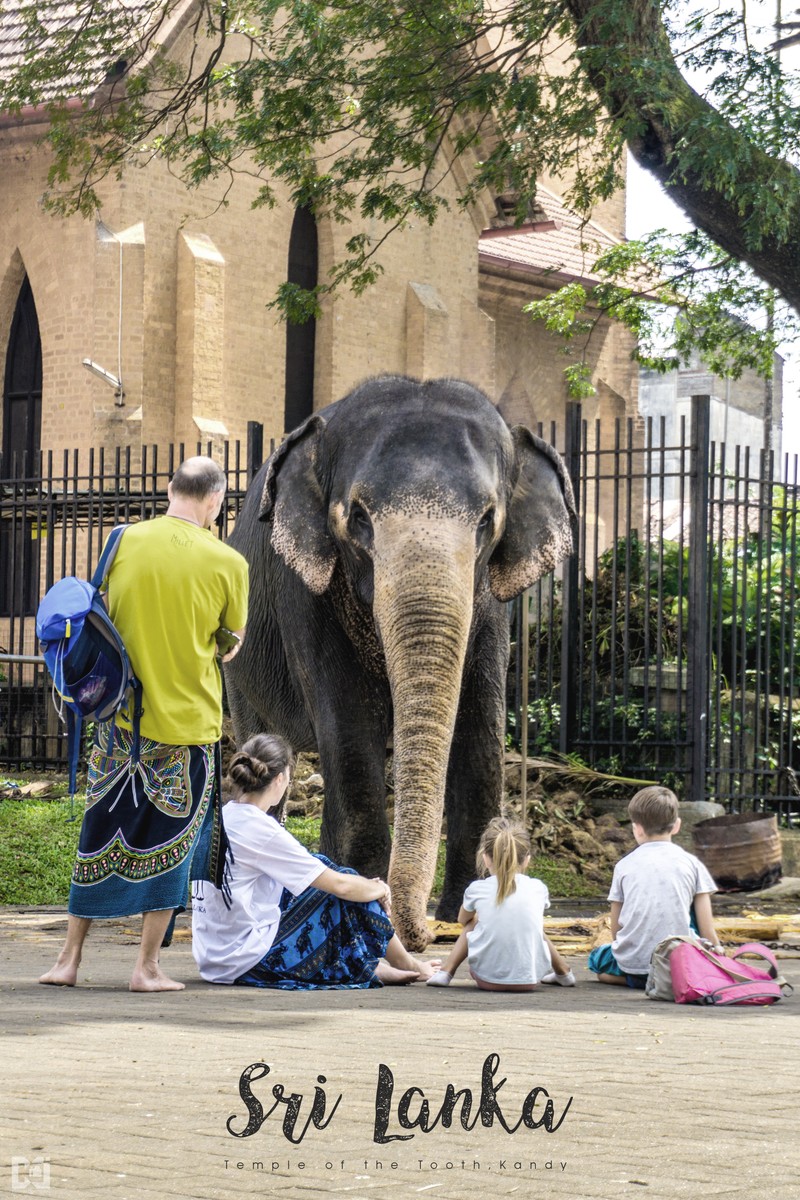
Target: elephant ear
column 539, row 521
column 294, row 502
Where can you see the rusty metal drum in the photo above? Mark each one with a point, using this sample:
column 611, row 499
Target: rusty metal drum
column 741, row 850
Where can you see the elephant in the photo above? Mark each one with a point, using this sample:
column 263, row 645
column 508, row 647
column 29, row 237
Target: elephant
column 385, row 536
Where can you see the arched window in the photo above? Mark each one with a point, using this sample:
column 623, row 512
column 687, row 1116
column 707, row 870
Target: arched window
column 22, row 421
column 300, row 339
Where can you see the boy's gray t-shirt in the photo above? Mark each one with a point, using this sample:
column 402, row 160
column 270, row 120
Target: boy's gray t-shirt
column 656, row 884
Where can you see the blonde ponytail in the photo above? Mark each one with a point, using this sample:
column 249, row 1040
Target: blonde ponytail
column 507, row 844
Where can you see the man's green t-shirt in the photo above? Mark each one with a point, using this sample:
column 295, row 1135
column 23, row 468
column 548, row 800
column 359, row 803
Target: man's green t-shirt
column 170, row 587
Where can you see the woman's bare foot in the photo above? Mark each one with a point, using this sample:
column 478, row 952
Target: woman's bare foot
column 62, row 974
column 399, row 958
column 394, row 975
column 152, row 979
column 427, row 967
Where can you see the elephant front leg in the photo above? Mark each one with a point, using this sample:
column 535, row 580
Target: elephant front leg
column 352, row 736
column 349, row 710
column 475, row 773
column 355, row 829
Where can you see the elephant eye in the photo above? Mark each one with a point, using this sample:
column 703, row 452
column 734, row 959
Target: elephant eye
column 359, row 523
column 486, row 522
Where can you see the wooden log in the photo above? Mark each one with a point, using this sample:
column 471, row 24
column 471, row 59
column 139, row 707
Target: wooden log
column 582, row 934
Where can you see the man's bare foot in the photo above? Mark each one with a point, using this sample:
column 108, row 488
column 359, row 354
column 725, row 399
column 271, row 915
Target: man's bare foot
column 394, row 975
column 63, row 974
column 153, row 979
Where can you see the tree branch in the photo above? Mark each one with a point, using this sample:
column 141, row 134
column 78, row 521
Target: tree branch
column 684, row 142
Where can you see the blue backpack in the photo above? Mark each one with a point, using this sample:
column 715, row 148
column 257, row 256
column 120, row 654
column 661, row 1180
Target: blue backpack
column 86, row 657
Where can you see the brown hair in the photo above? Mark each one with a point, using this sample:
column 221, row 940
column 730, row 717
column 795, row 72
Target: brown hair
column 655, row 809
column 259, row 761
column 507, row 843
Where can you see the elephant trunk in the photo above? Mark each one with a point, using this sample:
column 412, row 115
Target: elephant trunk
column 423, row 606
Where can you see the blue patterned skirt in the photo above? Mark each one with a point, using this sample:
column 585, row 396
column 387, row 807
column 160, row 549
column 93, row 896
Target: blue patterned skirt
column 323, row 942
column 141, row 825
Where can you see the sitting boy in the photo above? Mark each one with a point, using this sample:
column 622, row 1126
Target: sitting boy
column 657, row 891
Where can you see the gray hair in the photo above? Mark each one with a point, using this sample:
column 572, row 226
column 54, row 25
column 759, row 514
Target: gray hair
column 197, row 478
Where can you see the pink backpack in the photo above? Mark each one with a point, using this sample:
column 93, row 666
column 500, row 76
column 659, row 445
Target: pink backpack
column 701, row 977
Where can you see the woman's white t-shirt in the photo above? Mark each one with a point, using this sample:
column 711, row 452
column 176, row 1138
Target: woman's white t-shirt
column 507, row 944
column 226, row 942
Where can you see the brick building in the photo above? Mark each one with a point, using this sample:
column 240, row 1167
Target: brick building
column 168, row 292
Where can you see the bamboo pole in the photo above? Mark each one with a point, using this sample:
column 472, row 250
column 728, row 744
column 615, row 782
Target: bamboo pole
column 523, row 741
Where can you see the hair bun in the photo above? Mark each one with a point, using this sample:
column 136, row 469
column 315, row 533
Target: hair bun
column 248, row 773
column 260, row 760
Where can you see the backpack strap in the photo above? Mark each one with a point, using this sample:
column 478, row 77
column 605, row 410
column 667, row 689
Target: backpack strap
column 728, row 964
column 754, row 992
column 136, row 720
column 769, row 958
column 74, row 725
column 724, row 963
column 100, row 573
column 107, row 557
column 762, row 952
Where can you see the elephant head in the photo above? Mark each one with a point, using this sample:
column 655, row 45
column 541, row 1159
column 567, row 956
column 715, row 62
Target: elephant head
column 431, row 510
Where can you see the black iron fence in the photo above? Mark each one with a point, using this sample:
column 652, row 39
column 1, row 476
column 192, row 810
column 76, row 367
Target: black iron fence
column 666, row 648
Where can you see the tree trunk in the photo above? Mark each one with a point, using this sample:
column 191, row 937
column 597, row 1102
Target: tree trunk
column 683, row 141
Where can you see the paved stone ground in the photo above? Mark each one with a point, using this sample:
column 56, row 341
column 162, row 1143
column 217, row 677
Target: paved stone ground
column 111, row 1094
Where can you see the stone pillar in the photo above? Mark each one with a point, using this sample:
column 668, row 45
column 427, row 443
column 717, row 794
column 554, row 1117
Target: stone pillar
column 428, row 350
column 199, row 395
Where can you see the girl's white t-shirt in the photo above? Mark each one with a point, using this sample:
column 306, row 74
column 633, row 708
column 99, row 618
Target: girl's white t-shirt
column 226, row 942
column 507, row 945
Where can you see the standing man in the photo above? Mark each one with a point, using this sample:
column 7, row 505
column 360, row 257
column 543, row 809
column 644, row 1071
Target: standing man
column 171, row 587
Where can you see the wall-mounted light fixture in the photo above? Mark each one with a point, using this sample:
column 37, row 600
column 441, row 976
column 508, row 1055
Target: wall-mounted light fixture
column 107, row 377
column 132, row 236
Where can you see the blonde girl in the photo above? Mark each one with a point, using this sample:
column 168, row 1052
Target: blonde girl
column 503, row 919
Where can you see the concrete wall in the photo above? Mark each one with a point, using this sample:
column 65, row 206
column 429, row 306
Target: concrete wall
column 737, row 411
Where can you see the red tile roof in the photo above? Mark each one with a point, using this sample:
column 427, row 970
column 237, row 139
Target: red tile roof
column 564, row 246
column 58, row 17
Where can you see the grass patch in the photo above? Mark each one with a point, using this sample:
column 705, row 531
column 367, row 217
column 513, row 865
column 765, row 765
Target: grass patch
column 38, row 844
column 561, row 882
column 306, row 830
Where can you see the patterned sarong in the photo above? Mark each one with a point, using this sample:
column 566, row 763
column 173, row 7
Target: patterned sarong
column 323, row 942
column 140, row 826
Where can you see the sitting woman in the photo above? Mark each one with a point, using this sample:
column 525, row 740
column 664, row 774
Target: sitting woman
column 292, row 920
